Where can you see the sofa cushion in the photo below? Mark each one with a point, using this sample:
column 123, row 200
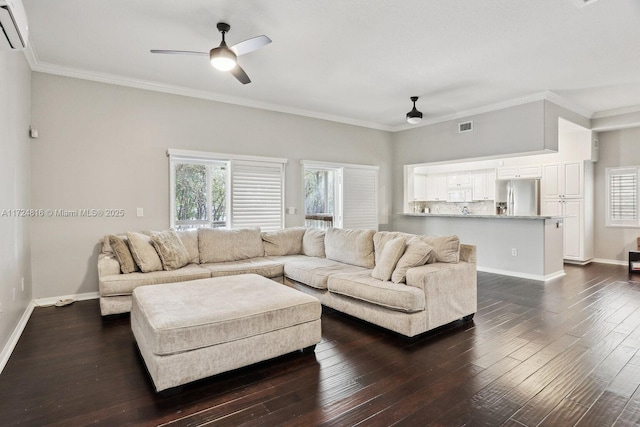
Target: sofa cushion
column 189, row 238
column 313, row 242
column 262, row 266
column 143, row 252
column 416, row 254
column 391, row 253
column 315, row 271
column 119, row 246
column 222, row 245
column 124, row 284
column 170, row 249
column 363, row 287
column 287, row 241
column 350, row 246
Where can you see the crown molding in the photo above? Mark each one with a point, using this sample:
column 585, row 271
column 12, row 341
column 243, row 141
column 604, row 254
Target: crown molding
column 616, row 111
column 43, row 67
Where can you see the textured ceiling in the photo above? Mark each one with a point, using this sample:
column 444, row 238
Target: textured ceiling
column 356, row 61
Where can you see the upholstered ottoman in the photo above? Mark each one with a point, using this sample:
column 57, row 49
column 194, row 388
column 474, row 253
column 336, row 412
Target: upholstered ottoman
column 191, row 330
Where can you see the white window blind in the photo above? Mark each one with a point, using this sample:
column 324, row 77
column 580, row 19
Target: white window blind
column 360, row 198
column 622, row 197
column 257, row 195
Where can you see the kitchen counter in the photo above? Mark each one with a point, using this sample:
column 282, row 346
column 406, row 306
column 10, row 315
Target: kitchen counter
column 523, row 246
column 449, row 215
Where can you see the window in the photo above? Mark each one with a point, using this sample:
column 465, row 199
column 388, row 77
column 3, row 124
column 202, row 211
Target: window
column 622, row 197
column 340, row 195
column 221, row 190
column 319, row 197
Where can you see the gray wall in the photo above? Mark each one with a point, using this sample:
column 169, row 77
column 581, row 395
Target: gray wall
column 15, row 257
column 617, row 148
column 104, row 146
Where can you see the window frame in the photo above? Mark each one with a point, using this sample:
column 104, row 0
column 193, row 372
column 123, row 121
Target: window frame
column 199, row 157
column 622, row 222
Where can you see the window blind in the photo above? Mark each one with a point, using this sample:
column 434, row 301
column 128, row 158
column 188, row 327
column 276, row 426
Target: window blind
column 622, row 197
column 360, row 198
column 257, row 195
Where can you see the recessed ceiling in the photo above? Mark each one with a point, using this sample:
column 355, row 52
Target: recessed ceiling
column 357, row 61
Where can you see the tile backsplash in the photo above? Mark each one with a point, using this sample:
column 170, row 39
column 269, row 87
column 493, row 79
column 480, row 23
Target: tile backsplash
column 484, row 207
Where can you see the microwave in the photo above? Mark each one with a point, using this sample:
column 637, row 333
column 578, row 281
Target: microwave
column 459, row 195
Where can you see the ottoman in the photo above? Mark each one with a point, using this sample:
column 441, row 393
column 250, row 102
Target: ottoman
column 191, row 330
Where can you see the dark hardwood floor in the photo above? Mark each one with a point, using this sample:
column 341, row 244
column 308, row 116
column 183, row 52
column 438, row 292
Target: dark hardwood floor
column 560, row 353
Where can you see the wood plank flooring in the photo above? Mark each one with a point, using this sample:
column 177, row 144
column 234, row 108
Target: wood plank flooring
column 560, row 353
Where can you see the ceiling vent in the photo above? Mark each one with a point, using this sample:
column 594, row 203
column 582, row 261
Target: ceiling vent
column 583, row 3
column 14, row 29
column 465, row 126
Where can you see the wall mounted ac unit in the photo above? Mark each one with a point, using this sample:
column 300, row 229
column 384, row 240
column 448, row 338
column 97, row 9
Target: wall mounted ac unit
column 14, row 28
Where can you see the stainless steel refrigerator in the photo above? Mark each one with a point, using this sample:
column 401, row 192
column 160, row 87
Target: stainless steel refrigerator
column 521, row 197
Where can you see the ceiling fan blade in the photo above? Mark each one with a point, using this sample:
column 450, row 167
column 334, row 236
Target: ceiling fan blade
column 250, row 45
column 239, row 74
column 179, row 52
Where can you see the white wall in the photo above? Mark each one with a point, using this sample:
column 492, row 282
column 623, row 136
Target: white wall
column 15, row 257
column 616, row 148
column 104, row 146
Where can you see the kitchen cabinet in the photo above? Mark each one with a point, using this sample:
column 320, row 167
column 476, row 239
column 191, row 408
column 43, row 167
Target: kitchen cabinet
column 436, row 187
column 484, row 184
column 573, row 213
column 562, row 180
column 419, row 187
column 567, row 191
column 529, row 171
column 458, row 179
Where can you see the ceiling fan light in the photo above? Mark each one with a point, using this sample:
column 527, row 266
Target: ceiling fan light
column 222, row 58
column 414, row 116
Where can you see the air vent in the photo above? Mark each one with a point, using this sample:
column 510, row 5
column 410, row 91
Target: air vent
column 465, row 127
column 583, row 3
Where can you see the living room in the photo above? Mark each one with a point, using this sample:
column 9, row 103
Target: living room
column 103, row 145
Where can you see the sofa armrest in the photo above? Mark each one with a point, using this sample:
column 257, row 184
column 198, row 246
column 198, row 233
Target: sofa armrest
column 468, row 253
column 450, row 290
column 108, row 265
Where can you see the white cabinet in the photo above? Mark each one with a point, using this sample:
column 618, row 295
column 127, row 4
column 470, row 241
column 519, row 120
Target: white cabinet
column 567, row 191
column 562, row 180
column 484, row 184
column 436, row 187
column 529, row 171
column 459, row 179
column 419, row 187
column 575, row 235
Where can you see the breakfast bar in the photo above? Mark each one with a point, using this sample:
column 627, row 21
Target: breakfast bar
column 521, row 246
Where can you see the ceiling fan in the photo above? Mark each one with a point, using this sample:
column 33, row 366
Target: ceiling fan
column 225, row 58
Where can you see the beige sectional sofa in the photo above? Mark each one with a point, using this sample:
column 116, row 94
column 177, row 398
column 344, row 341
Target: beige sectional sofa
column 406, row 283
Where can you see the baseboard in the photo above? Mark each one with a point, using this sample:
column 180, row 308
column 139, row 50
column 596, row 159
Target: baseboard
column 541, row 278
column 17, row 332
column 45, row 302
column 610, row 261
column 15, row 336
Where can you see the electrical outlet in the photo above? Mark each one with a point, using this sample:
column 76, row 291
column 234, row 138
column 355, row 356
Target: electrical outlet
column 514, row 252
column 140, row 212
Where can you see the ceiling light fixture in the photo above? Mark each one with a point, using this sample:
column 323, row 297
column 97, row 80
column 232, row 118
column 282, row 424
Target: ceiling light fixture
column 222, row 58
column 414, row 116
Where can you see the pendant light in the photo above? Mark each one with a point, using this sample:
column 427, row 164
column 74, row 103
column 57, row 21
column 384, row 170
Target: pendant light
column 414, row 116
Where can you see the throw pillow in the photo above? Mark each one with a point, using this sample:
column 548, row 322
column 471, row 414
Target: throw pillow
column 287, row 241
column 416, row 254
column 171, row 251
column 120, row 249
column 143, row 252
column 391, row 253
column 445, row 248
column 313, row 242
